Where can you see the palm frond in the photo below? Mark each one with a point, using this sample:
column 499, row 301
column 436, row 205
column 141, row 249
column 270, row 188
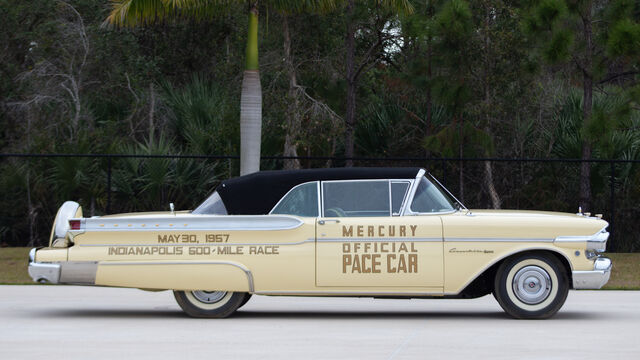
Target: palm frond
column 399, row 6
column 131, row 13
column 300, row 6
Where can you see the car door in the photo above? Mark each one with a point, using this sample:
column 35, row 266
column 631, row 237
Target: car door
column 362, row 242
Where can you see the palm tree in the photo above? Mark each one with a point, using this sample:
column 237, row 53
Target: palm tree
column 131, row 13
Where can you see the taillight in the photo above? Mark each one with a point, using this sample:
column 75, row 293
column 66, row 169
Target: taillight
column 75, row 224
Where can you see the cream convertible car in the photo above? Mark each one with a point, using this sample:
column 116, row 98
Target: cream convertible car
column 375, row 232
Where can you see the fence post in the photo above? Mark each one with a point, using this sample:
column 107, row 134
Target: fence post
column 612, row 205
column 108, row 184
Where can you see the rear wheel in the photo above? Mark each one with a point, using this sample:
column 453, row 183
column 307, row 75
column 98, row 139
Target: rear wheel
column 209, row 304
column 246, row 299
column 531, row 286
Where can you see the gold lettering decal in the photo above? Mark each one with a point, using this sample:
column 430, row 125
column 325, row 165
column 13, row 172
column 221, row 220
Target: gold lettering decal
column 347, row 231
column 346, row 261
column 390, row 259
column 366, row 258
column 144, row 250
column 264, row 250
column 375, row 262
column 413, row 263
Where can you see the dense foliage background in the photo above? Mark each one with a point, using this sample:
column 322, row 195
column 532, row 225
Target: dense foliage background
column 454, row 79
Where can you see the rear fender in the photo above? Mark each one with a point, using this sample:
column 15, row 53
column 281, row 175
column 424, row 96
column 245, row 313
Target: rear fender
column 210, row 275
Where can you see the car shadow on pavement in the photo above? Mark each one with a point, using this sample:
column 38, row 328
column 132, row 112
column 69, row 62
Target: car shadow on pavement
column 366, row 315
column 378, row 315
column 307, row 315
column 115, row 313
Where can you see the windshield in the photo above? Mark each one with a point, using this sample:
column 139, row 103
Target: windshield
column 430, row 198
column 212, row 206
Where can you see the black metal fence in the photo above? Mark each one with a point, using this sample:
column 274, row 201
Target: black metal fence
column 33, row 186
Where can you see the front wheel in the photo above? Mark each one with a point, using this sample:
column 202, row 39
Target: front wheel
column 209, row 304
column 531, row 286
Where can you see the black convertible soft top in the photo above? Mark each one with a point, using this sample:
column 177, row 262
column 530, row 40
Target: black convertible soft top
column 258, row 193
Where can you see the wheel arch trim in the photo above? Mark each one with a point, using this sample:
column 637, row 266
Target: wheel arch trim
column 562, row 257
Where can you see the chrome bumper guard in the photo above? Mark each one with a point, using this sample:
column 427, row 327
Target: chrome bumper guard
column 594, row 279
column 43, row 272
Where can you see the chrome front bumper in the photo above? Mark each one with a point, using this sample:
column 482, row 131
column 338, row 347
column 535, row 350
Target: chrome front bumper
column 42, row 272
column 594, row 279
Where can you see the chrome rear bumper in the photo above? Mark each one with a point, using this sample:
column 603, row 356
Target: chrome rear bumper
column 43, row 272
column 66, row 272
column 594, row 279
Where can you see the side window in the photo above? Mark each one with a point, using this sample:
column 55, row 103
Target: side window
column 429, row 199
column 398, row 193
column 302, row 200
column 356, row 198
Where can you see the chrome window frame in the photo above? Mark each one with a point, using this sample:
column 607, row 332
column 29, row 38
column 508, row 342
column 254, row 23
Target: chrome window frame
column 404, row 198
column 404, row 207
column 407, row 207
column 389, row 181
column 319, row 201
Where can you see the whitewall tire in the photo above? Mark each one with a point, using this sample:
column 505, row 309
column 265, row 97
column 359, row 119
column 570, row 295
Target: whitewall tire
column 531, row 286
column 209, row 304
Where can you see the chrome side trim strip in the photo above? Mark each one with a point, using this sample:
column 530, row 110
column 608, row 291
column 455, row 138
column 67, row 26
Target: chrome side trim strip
column 239, row 266
column 348, row 240
column 195, row 223
column 597, row 241
column 205, row 244
column 496, row 240
column 346, row 293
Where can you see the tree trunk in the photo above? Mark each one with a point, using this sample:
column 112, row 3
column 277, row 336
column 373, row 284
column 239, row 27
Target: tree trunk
column 488, row 170
column 152, row 109
column 293, row 120
column 587, row 104
column 460, row 154
column 32, row 212
column 350, row 116
column 251, row 102
column 428, row 89
column 493, row 194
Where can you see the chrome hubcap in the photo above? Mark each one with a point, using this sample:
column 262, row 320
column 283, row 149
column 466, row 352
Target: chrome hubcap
column 532, row 285
column 209, row 297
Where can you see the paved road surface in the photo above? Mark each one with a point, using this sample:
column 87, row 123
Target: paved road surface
column 66, row 322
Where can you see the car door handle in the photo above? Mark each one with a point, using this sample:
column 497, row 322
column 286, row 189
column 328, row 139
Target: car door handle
column 322, row 222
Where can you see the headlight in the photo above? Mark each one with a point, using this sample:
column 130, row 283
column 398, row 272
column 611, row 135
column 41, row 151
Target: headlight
column 590, row 254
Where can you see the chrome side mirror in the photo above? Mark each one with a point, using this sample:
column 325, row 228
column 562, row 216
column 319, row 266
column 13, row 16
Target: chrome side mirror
column 172, row 208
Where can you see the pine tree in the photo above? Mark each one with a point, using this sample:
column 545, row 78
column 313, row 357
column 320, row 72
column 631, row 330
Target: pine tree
column 596, row 39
